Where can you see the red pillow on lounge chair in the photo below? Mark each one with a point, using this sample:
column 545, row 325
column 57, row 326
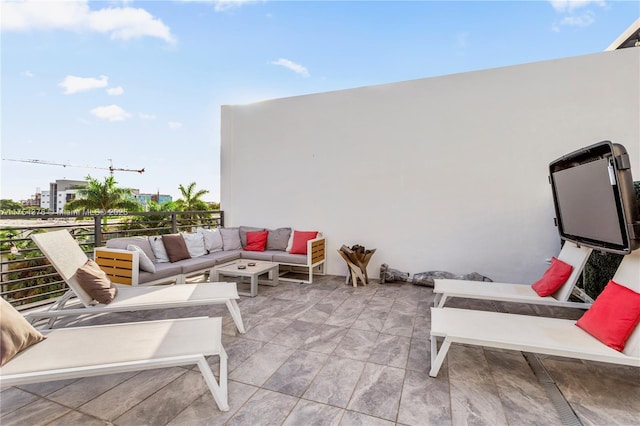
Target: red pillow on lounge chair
column 557, row 274
column 613, row 316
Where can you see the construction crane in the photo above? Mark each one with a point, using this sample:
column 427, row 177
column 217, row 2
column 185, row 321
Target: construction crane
column 52, row 163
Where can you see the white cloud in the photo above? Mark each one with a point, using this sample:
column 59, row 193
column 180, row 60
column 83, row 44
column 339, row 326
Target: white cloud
column 27, row 74
column 145, row 116
column 574, row 13
column 222, row 5
column 173, row 125
column 583, row 20
column 73, row 84
column 110, row 113
column 121, row 23
column 297, row 68
column 127, row 23
column 571, row 5
column 115, row 91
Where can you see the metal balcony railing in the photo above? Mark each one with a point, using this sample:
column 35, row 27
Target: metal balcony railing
column 28, row 280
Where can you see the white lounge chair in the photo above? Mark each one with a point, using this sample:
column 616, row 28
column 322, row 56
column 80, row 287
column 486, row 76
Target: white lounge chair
column 519, row 293
column 66, row 256
column 542, row 335
column 76, row 352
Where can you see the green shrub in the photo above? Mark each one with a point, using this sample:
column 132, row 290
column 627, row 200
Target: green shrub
column 600, row 268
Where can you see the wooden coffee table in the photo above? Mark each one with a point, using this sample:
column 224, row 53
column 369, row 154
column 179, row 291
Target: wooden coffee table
column 247, row 268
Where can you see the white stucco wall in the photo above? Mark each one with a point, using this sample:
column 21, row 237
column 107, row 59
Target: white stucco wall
column 445, row 173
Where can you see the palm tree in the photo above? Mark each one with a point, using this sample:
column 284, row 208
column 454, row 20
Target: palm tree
column 191, row 200
column 159, row 223
column 103, row 196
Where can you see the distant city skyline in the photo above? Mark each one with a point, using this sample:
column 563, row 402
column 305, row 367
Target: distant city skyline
column 46, row 187
column 61, row 191
column 142, row 82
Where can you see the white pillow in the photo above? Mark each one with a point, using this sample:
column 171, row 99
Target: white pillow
column 145, row 263
column 212, row 239
column 157, row 246
column 290, row 243
column 195, row 243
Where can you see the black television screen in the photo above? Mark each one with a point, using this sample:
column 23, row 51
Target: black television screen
column 594, row 199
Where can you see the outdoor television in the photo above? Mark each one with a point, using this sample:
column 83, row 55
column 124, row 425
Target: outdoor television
column 594, row 198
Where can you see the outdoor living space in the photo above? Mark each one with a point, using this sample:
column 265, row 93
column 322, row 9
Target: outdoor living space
column 453, row 175
column 331, row 353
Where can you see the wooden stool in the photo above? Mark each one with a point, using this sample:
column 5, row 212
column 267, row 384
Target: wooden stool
column 357, row 259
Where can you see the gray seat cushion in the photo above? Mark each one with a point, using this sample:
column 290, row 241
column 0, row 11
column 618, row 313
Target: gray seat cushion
column 298, row 259
column 209, row 260
column 196, row 264
column 163, row 270
column 225, row 256
column 260, row 255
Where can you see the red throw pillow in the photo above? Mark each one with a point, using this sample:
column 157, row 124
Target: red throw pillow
column 557, row 274
column 256, row 241
column 300, row 238
column 613, row 316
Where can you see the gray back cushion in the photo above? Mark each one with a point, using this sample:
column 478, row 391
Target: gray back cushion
column 278, row 239
column 142, row 242
column 243, row 233
column 230, row 238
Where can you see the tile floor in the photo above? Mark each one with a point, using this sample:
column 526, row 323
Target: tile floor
column 331, row 354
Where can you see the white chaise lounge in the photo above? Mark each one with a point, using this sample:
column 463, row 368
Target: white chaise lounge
column 519, row 293
column 69, row 353
column 66, row 256
column 542, row 335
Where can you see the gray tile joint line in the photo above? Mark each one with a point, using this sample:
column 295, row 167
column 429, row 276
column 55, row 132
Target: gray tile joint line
column 565, row 412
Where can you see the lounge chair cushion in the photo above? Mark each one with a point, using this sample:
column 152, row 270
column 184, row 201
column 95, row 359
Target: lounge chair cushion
column 231, row 238
column 16, row 334
column 256, row 241
column 159, row 251
column 195, row 243
column 95, row 282
column 300, row 238
column 554, row 277
column 613, row 316
column 278, row 239
column 143, row 260
column 176, row 247
column 212, row 239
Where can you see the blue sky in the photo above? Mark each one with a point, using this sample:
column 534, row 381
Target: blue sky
column 142, row 82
